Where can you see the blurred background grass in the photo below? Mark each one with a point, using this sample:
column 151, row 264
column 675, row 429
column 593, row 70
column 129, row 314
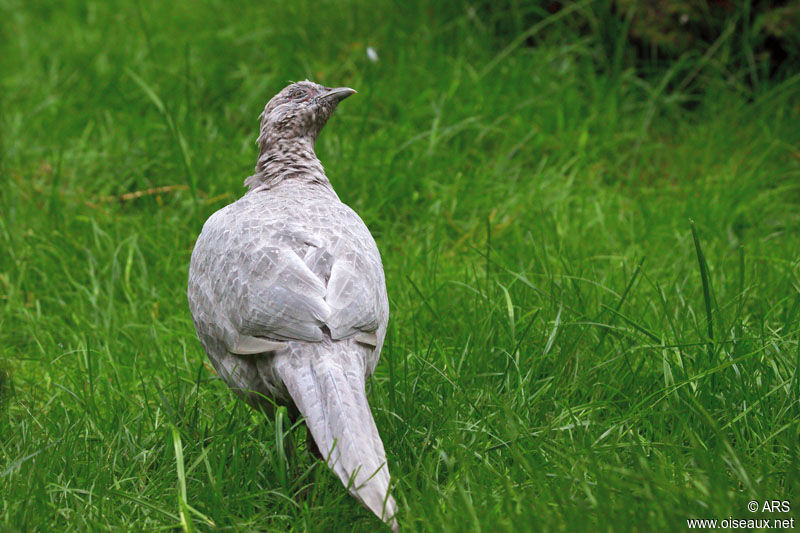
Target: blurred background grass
column 589, row 219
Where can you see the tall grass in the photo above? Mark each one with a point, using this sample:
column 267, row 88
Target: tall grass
column 595, row 289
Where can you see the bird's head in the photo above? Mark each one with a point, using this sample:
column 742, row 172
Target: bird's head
column 299, row 111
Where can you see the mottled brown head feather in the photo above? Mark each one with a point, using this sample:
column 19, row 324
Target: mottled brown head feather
column 290, row 124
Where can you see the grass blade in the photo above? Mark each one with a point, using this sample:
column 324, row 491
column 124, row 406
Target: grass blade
column 183, row 508
column 701, row 261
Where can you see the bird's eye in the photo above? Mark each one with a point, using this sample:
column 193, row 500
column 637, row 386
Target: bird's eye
column 299, row 93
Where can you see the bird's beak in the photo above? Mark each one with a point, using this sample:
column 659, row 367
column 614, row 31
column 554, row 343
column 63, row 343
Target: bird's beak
column 338, row 94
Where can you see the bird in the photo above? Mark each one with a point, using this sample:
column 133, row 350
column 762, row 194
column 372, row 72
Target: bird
column 288, row 296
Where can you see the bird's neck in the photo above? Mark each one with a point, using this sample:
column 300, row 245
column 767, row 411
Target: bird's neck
column 288, row 162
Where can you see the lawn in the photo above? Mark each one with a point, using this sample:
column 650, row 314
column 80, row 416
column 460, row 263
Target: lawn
column 593, row 269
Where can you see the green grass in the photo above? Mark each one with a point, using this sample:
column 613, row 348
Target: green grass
column 594, row 276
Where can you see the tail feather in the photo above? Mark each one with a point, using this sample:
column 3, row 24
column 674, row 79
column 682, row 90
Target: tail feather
column 327, row 387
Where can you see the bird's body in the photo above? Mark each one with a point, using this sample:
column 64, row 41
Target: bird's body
column 288, row 297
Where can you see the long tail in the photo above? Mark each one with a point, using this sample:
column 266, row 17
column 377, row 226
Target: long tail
column 327, row 385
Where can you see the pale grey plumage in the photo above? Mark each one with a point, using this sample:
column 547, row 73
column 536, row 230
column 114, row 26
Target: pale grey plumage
column 288, row 297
